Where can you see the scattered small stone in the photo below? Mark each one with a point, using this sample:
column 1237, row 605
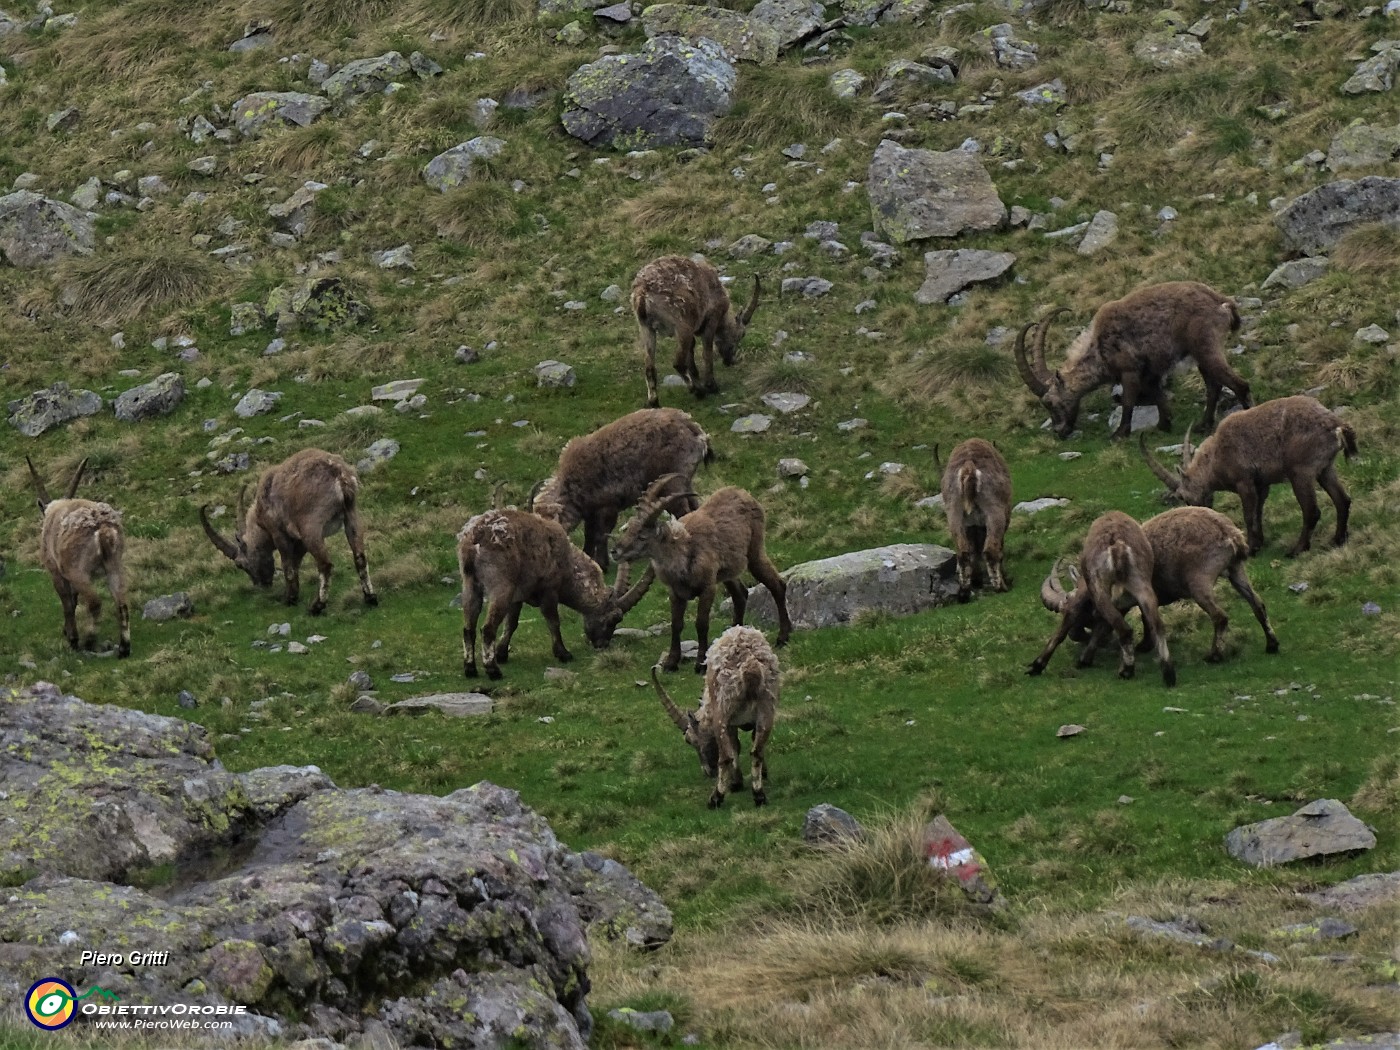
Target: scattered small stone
column 786, row 403
column 1370, row 609
column 555, row 374
column 1071, row 729
column 755, row 423
column 826, row 824
column 792, row 468
column 361, row 681
column 853, row 424
column 187, row 700
column 650, row 1021
column 398, row 390
column 168, row 607
column 1035, row 506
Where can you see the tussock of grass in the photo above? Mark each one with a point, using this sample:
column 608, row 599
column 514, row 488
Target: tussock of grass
column 109, row 289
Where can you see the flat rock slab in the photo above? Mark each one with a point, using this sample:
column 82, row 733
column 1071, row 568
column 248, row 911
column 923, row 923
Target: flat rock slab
column 1297, row 272
column 901, row 579
column 1321, row 828
column 177, row 606
column 747, row 39
column 455, row 705
column 1364, row 891
column 916, row 194
column 45, row 409
column 254, row 113
column 398, row 390
column 1318, row 219
column 159, row 397
column 949, row 272
column 450, row 168
column 37, row 231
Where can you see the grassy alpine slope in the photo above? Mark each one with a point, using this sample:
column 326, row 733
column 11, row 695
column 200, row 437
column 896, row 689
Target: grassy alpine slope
column 888, row 719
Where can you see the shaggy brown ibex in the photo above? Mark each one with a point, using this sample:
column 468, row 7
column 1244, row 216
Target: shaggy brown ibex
column 694, row 554
column 603, row 473
column 297, row 504
column 1115, row 573
column 1192, row 547
column 512, row 558
column 741, row 692
column 977, row 501
column 1293, row 439
column 676, row 295
column 1136, row 341
column 80, row 539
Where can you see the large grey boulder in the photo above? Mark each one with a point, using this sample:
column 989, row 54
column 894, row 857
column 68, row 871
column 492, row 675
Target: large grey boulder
column 793, row 20
column 161, row 396
column 743, row 37
column 450, row 168
column 366, row 75
column 948, row 272
column 901, row 579
column 668, row 94
column 45, row 409
column 253, row 114
column 1361, row 145
column 367, row 917
column 916, row 194
column 1318, row 219
column 1376, row 73
column 38, row 231
column 1319, row 829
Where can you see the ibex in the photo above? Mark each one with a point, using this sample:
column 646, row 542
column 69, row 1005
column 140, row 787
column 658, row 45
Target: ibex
column 297, row 504
column 741, row 692
column 1192, row 547
column 977, row 501
column 80, row 539
column 603, row 473
column 1115, row 573
column 694, row 554
column 1135, row 341
column 1293, row 439
column 513, row 558
column 676, row 295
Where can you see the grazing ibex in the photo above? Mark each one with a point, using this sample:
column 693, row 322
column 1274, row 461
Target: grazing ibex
column 78, row 540
column 977, row 501
column 1135, row 341
column 694, row 554
column 603, row 473
column 1192, row 547
column 1115, row 573
column 1293, row 439
column 741, row 692
column 297, row 504
column 676, row 295
column 513, row 558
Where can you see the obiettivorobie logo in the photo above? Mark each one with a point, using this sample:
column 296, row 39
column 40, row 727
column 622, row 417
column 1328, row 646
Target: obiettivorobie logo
column 51, row 1002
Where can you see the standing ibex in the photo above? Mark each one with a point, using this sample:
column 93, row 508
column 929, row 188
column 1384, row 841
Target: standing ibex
column 296, row 505
column 78, row 540
column 1135, row 341
column 603, row 473
column 1192, row 547
column 694, row 554
column 977, row 501
column 513, row 558
column 1115, row 573
column 676, row 295
column 1293, row 439
column 741, row 692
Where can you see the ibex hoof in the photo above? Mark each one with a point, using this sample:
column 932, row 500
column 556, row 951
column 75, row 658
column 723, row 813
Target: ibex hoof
column 371, row 599
column 1272, row 647
column 716, row 800
column 699, row 666
column 1168, row 675
column 964, row 596
column 493, row 673
column 123, row 650
column 760, row 799
column 1215, row 658
column 563, row 655
column 317, row 608
column 502, row 656
column 468, row 670
column 1339, row 541
column 1034, row 669
column 1127, row 671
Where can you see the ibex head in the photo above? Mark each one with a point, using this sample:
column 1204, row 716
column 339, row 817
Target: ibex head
column 42, row 493
column 1055, row 394
column 601, row 624
column 635, row 539
column 705, row 743
column 1184, row 486
column 254, row 558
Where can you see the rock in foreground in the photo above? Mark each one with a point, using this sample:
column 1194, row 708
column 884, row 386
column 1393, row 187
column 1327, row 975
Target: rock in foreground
column 1319, row 829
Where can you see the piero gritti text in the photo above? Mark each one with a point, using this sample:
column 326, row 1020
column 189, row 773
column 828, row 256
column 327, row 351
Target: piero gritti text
column 118, row 959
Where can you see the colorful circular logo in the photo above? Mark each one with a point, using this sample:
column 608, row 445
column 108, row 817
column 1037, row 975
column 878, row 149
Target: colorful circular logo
column 49, row 1003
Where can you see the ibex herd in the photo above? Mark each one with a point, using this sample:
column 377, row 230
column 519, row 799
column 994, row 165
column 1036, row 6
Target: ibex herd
column 648, row 459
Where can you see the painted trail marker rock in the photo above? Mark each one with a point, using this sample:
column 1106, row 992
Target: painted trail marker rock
column 950, row 853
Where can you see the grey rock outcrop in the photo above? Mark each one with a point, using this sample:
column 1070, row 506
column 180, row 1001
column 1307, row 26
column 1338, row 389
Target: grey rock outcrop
column 45, row 409
column 38, row 231
column 793, row 20
column 1297, row 272
column 177, row 606
column 450, row 168
column 826, row 824
column 366, row 75
column 743, row 37
column 254, row 113
column 1361, row 145
column 256, row 403
column 667, row 94
column 1319, row 829
column 916, row 194
column 1376, row 73
column 1168, row 50
column 1102, row 231
column 1364, row 891
column 161, row 396
column 454, row 705
column 1314, row 222
column 901, row 579
column 319, row 304
column 948, row 272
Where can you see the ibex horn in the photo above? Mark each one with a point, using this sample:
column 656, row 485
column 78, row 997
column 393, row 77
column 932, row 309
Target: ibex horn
column 747, row 315
column 1041, row 332
column 77, row 477
column 1052, row 591
column 677, row 715
column 534, row 491
column 44, row 500
column 1187, row 450
column 629, row 600
column 1163, row 474
column 225, row 547
column 1023, row 365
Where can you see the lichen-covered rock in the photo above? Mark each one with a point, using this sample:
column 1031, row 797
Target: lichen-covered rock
column 745, row 38
column 1168, row 50
column 45, row 409
column 38, row 231
column 1314, row 222
column 863, row 12
column 1361, row 145
column 177, row 606
column 452, row 167
column 916, row 194
column 948, row 272
column 901, row 579
column 793, row 20
column 254, row 113
column 667, row 94
column 319, row 304
column 568, row 7
column 245, row 318
column 366, row 75
column 256, row 403
column 161, row 396
column 1376, row 73
column 845, row 83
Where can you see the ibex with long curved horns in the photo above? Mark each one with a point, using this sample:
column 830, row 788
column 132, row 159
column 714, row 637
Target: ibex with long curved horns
column 676, row 295
column 1135, row 342
column 78, row 540
column 296, row 505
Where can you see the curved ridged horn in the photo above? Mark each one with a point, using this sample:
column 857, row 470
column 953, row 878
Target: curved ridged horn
column 1041, row 332
column 227, row 549
column 242, row 512
column 1154, row 464
column 496, row 491
column 1052, row 591
column 77, row 477
column 627, row 601
column 677, row 715
column 747, row 315
column 535, row 491
column 1188, row 451
column 1023, row 364
column 653, row 502
column 39, row 488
